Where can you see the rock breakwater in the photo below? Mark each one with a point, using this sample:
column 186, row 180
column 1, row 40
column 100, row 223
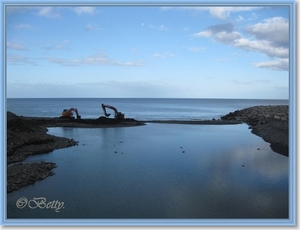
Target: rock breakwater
column 269, row 122
column 259, row 114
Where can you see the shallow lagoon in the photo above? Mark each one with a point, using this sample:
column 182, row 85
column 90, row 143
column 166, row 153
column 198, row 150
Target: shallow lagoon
column 160, row 171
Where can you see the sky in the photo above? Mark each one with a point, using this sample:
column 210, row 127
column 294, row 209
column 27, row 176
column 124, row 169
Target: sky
column 147, row 51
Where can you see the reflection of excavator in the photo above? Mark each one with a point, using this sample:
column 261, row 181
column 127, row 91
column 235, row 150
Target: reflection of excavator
column 118, row 115
column 69, row 113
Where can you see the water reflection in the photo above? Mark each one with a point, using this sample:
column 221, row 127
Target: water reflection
column 142, row 172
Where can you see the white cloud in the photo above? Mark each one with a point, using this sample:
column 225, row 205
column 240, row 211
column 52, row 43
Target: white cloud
column 163, row 55
column 97, row 59
column 135, row 51
column 186, row 28
column 242, row 82
column 19, row 60
column 262, row 46
column 258, row 81
column 11, row 58
column 206, row 33
column 23, row 26
column 84, row 10
column 48, row 12
column 196, row 48
column 275, row 30
column 239, row 18
column 224, row 12
column 222, row 59
column 165, row 8
column 227, row 37
column 160, row 28
column 221, row 32
column 228, row 27
column 92, row 27
column 60, row 46
column 15, row 46
column 279, row 64
column 157, row 55
column 271, row 39
column 220, row 12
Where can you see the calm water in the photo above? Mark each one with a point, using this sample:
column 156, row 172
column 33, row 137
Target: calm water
column 157, row 170
column 161, row 171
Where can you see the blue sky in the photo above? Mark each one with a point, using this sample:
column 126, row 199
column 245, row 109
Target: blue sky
column 169, row 51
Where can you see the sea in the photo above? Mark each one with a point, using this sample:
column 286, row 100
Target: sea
column 155, row 172
column 137, row 108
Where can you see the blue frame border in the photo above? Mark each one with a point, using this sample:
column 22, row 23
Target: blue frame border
column 165, row 222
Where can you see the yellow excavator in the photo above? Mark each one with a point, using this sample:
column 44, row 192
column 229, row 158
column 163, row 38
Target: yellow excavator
column 68, row 113
column 118, row 115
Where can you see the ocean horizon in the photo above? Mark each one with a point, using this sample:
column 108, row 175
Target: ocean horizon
column 137, row 108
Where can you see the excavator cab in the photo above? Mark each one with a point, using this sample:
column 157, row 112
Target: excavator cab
column 119, row 115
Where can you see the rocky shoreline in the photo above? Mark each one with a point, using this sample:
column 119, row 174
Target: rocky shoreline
column 25, row 138
column 28, row 136
column 269, row 122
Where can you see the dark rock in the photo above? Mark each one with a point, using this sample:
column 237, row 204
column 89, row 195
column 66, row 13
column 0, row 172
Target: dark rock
column 268, row 122
column 25, row 137
column 20, row 175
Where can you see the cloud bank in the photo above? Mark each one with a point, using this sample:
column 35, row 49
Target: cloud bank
column 269, row 37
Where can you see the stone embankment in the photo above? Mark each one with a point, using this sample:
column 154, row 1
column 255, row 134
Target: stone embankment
column 269, row 122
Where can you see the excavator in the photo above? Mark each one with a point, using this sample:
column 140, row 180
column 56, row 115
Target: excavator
column 68, row 113
column 118, row 115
